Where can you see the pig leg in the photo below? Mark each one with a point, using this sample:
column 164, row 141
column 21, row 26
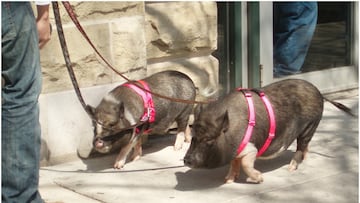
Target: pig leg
column 181, row 137
column 124, row 152
column 299, row 156
column 248, row 157
column 183, row 131
column 302, row 145
column 137, row 150
column 247, row 162
column 188, row 134
column 234, row 171
column 138, row 147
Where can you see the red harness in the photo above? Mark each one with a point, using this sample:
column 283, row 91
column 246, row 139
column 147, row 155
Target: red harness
column 149, row 108
column 251, row 124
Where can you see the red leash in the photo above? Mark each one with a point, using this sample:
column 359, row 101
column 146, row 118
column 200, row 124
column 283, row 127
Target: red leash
column 73, row 17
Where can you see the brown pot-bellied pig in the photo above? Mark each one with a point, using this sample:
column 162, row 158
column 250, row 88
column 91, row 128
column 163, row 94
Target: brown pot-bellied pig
column 219, row 127
column 123, row 108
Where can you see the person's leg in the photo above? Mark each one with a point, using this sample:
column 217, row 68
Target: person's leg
column 294, row 26
column 20, row 138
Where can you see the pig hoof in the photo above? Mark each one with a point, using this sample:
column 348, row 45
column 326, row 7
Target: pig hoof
column 119, row 165
column 178, row 145
column 258, row 179
column 180, row 137
column 231, row 178
column 135, row 158
column 293, row 166
column 229, row 181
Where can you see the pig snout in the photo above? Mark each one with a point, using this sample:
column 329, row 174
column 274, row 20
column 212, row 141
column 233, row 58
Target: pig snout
column 101, row 146
column 192, row 160
column 202, row 157
column 98, row 143
column 188, row 161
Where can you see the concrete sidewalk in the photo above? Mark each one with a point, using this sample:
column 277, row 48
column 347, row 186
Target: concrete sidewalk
column 329, row 174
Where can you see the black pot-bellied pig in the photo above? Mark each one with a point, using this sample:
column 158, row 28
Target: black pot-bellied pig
column 128, row 106
column 293, row 113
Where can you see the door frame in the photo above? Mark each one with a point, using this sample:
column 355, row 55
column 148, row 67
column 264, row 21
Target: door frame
column 249, row 51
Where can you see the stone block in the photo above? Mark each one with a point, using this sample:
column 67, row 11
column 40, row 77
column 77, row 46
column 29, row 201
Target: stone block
column 177, row 28
column 87, row 65
column 203, row 70
column 121, row 42
column 99, row 10
column 128, row 47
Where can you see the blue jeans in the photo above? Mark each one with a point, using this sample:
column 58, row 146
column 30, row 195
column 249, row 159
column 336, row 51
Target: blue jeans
column 294, row 26
column 20, row 131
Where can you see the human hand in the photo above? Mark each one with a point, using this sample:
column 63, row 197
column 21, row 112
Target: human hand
column 43, row 24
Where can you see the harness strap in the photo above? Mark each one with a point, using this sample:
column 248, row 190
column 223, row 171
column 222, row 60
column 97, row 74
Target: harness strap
column 149, row 108
column 272, row 127
column 251, row 124
column 251, row 116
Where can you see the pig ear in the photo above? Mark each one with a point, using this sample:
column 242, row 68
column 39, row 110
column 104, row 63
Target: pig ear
column 121, row 110
column 198, row 109
column 223, row 120
column 90, row 110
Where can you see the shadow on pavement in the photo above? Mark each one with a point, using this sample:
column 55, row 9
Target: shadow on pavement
column 199, row 179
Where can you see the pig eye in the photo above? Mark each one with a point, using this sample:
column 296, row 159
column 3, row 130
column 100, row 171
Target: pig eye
column 111, row 125
column 108, row 124
column 199, row 131
column 115, row 108
column 209, row 142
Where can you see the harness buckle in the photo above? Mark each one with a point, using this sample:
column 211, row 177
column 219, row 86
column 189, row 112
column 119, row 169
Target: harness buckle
column 247, row 94
column 271, row 135
column 149, row 111
column 252, row 123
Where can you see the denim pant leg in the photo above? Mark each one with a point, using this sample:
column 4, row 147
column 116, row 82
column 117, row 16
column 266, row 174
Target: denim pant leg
column 20, row 138
column 294, row 26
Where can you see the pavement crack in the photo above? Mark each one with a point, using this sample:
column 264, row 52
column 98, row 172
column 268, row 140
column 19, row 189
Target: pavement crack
column 73, row 190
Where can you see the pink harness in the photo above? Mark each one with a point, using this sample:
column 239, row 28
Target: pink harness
column 149, row 108
column 251, row 124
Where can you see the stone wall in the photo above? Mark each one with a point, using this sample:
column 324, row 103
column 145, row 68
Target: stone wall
column 138, row 39
column 115, row 28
